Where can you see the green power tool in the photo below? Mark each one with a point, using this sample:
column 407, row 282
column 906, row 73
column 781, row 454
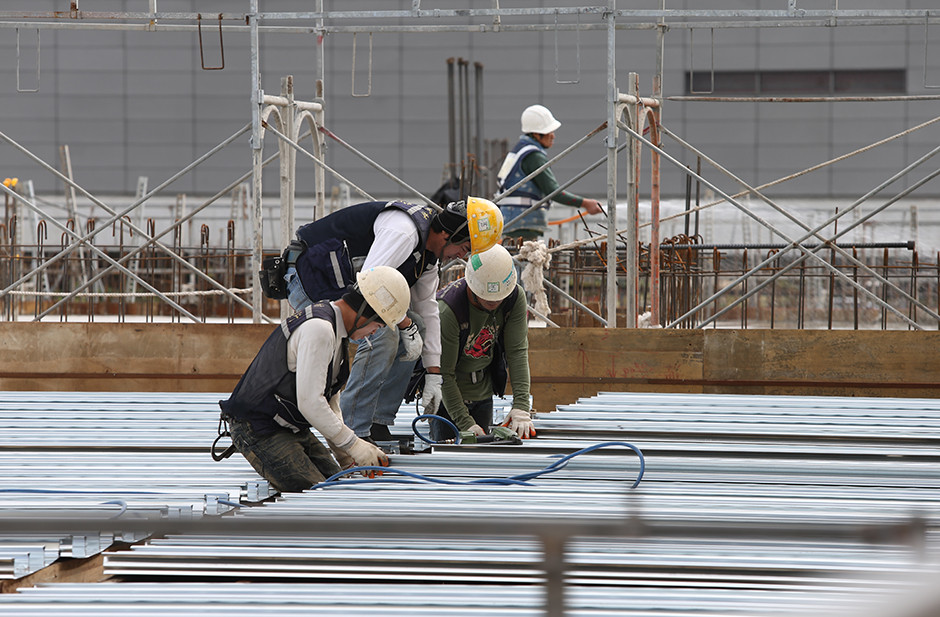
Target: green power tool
column 499, row 435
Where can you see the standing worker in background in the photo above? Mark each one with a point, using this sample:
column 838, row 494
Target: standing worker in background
column 484, row 331
column 293, row 385
column 412, row 239
column 538, row 128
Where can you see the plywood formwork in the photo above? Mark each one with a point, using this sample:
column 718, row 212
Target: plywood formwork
column 566, row 363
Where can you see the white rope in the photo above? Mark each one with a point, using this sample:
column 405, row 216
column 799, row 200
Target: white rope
column 140, row 294
column 536, row 254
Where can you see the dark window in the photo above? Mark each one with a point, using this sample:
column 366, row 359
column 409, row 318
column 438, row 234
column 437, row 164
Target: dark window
column 875, row 82
column 782, row 83
column 795, row 82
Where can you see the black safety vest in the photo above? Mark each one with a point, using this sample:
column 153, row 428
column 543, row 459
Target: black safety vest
column 351, row 230
column 266, row 395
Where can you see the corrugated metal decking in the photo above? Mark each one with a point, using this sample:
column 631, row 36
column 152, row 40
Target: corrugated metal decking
column 773, row 461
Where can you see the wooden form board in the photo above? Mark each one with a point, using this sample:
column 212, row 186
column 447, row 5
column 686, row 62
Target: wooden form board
column 126, row 357
column 566, row 363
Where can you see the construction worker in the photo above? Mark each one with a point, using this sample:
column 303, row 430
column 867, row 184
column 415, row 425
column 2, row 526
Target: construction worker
column 413, row 239
column 484, row 331
column 538, row 135
column 293, row 384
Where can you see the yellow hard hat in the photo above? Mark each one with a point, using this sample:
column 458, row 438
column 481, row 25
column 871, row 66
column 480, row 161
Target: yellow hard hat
column 485, row 222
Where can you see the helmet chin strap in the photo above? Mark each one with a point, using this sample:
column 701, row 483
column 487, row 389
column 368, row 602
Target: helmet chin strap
column 450, row 241
column 356, row 326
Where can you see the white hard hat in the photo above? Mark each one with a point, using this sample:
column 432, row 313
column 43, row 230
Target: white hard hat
column 491, row 274
column 537, row 119
column 386, row 291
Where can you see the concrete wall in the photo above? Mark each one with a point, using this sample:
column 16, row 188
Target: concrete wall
column 566, row 363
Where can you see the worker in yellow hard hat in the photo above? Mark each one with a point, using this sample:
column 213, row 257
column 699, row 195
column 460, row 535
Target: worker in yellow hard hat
column 485, row 223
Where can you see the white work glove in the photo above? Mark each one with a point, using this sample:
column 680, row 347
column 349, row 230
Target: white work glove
column 342, row 457
column 432, row 393
column 367, row 455
column 477, row 430
column 520, row 422
column 411, row 339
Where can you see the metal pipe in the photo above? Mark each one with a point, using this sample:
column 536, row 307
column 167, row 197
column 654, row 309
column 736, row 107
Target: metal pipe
column 381, row 169
column 796, row 243
column 115, row 216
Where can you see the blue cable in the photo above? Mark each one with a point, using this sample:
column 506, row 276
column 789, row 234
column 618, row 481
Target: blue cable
column 563, row 461
column 428, row 416
column 517, row 480
column 118, row 502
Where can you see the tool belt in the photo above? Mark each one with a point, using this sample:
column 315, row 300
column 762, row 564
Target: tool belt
column 273, row 270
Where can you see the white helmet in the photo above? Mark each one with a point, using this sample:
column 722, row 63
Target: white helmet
column 386, row 291
column 491, row 274
column 537, row 119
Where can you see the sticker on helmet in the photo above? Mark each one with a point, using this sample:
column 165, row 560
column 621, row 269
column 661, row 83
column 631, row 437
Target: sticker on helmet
column 475, row 261
column 384, row 297
column 492, row 287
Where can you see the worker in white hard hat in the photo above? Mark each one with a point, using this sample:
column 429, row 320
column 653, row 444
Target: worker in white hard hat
column 293, row 385
column 529, row 153
column 484, row 340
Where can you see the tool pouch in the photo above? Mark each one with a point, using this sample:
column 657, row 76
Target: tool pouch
column 271, row 276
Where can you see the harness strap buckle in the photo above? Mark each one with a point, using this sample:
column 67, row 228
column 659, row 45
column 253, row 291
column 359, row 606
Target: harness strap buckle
column 223, row 432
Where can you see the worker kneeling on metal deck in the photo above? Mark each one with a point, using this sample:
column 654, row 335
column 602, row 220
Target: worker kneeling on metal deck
column 293, row 385
column 484, row 331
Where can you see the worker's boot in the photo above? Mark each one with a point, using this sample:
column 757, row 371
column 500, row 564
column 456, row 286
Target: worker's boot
column 380, row 432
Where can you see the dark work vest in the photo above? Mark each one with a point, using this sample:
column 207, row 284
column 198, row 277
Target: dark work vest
column 456, row 298
column 266, row 395
column 525, row 146
column 354, row 228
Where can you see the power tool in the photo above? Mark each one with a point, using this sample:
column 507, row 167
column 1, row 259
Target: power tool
column 499, row 435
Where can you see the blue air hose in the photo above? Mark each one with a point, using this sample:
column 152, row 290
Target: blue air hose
column 517, row 480
column 428, row 416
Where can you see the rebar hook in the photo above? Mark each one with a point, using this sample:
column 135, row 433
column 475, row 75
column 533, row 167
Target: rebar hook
column 353, row 86
column 692, row 89
column 221, row 45
column 42, row 232
column 926, row 43
column 577, row 51
column 38, row 56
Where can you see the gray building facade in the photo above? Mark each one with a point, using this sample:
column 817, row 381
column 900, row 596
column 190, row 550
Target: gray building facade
column 132, row 103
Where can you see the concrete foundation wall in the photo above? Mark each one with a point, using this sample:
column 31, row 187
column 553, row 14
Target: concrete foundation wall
column 565, row 363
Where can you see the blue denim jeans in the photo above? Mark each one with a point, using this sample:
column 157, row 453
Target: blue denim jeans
column 291, row 462
column 296, row 295
column 377, row 380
